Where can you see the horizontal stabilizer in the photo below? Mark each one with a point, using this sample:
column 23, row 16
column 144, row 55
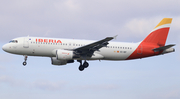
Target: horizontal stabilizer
column 163, row 48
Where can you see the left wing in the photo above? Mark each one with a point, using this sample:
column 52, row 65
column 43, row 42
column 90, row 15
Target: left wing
column 88, row 50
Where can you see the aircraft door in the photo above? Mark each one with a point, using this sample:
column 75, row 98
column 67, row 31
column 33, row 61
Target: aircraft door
column 26, row 42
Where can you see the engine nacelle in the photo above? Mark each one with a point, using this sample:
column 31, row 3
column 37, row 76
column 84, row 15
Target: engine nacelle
column 64, row 55
column 54, row 61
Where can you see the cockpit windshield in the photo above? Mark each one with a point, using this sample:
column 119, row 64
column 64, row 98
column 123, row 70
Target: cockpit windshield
column 13, row 41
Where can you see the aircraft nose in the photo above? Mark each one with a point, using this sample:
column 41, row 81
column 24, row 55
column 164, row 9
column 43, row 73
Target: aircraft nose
column 5, row 47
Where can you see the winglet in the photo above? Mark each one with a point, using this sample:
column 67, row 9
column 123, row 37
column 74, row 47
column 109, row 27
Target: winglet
column 115, row 37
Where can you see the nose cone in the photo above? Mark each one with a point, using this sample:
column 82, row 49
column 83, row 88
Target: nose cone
column 5, row 47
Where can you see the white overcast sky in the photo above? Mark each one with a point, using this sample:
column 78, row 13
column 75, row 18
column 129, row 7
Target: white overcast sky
column 132, row 20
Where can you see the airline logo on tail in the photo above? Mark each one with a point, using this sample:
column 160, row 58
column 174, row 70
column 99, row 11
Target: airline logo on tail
column 154, row 43
column 159, row 34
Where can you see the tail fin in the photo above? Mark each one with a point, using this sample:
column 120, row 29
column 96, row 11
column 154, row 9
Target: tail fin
column 159, row 34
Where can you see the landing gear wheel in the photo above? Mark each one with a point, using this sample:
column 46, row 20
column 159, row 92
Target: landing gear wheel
column 25, row 59
column 81, row 67
column 24, row 63
column 85, row 64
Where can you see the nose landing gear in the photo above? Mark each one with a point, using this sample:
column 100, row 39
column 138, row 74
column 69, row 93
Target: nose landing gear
column 83, row 66
column 25, row 59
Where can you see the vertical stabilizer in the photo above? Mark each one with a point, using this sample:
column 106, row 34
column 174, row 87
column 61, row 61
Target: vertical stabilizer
column 159, row 34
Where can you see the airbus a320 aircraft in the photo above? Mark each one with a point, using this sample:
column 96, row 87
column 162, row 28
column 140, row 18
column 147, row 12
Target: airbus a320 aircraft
column 63, row 51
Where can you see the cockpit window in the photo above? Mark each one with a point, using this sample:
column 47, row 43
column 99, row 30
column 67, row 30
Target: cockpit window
column 13, row 41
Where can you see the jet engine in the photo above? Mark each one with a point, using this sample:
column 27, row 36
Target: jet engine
column 54, row 61
column 64, row 55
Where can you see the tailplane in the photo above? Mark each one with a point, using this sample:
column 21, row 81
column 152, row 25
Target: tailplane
column 159, row 34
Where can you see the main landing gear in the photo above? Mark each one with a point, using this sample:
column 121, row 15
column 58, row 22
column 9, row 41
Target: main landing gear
column 83, row 66
column 25, row 59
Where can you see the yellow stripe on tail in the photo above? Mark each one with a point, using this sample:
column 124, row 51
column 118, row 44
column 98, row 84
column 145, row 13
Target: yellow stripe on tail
column 164, row 21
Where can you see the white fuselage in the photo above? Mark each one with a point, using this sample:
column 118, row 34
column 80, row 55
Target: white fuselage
column 46, row 47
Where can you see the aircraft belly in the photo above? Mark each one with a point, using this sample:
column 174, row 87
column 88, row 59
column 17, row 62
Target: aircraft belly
column 111, row 55
column 43, row 51
column 37, row 51
column 115, row 54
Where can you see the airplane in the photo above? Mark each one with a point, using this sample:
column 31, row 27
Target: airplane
column 64, row 51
